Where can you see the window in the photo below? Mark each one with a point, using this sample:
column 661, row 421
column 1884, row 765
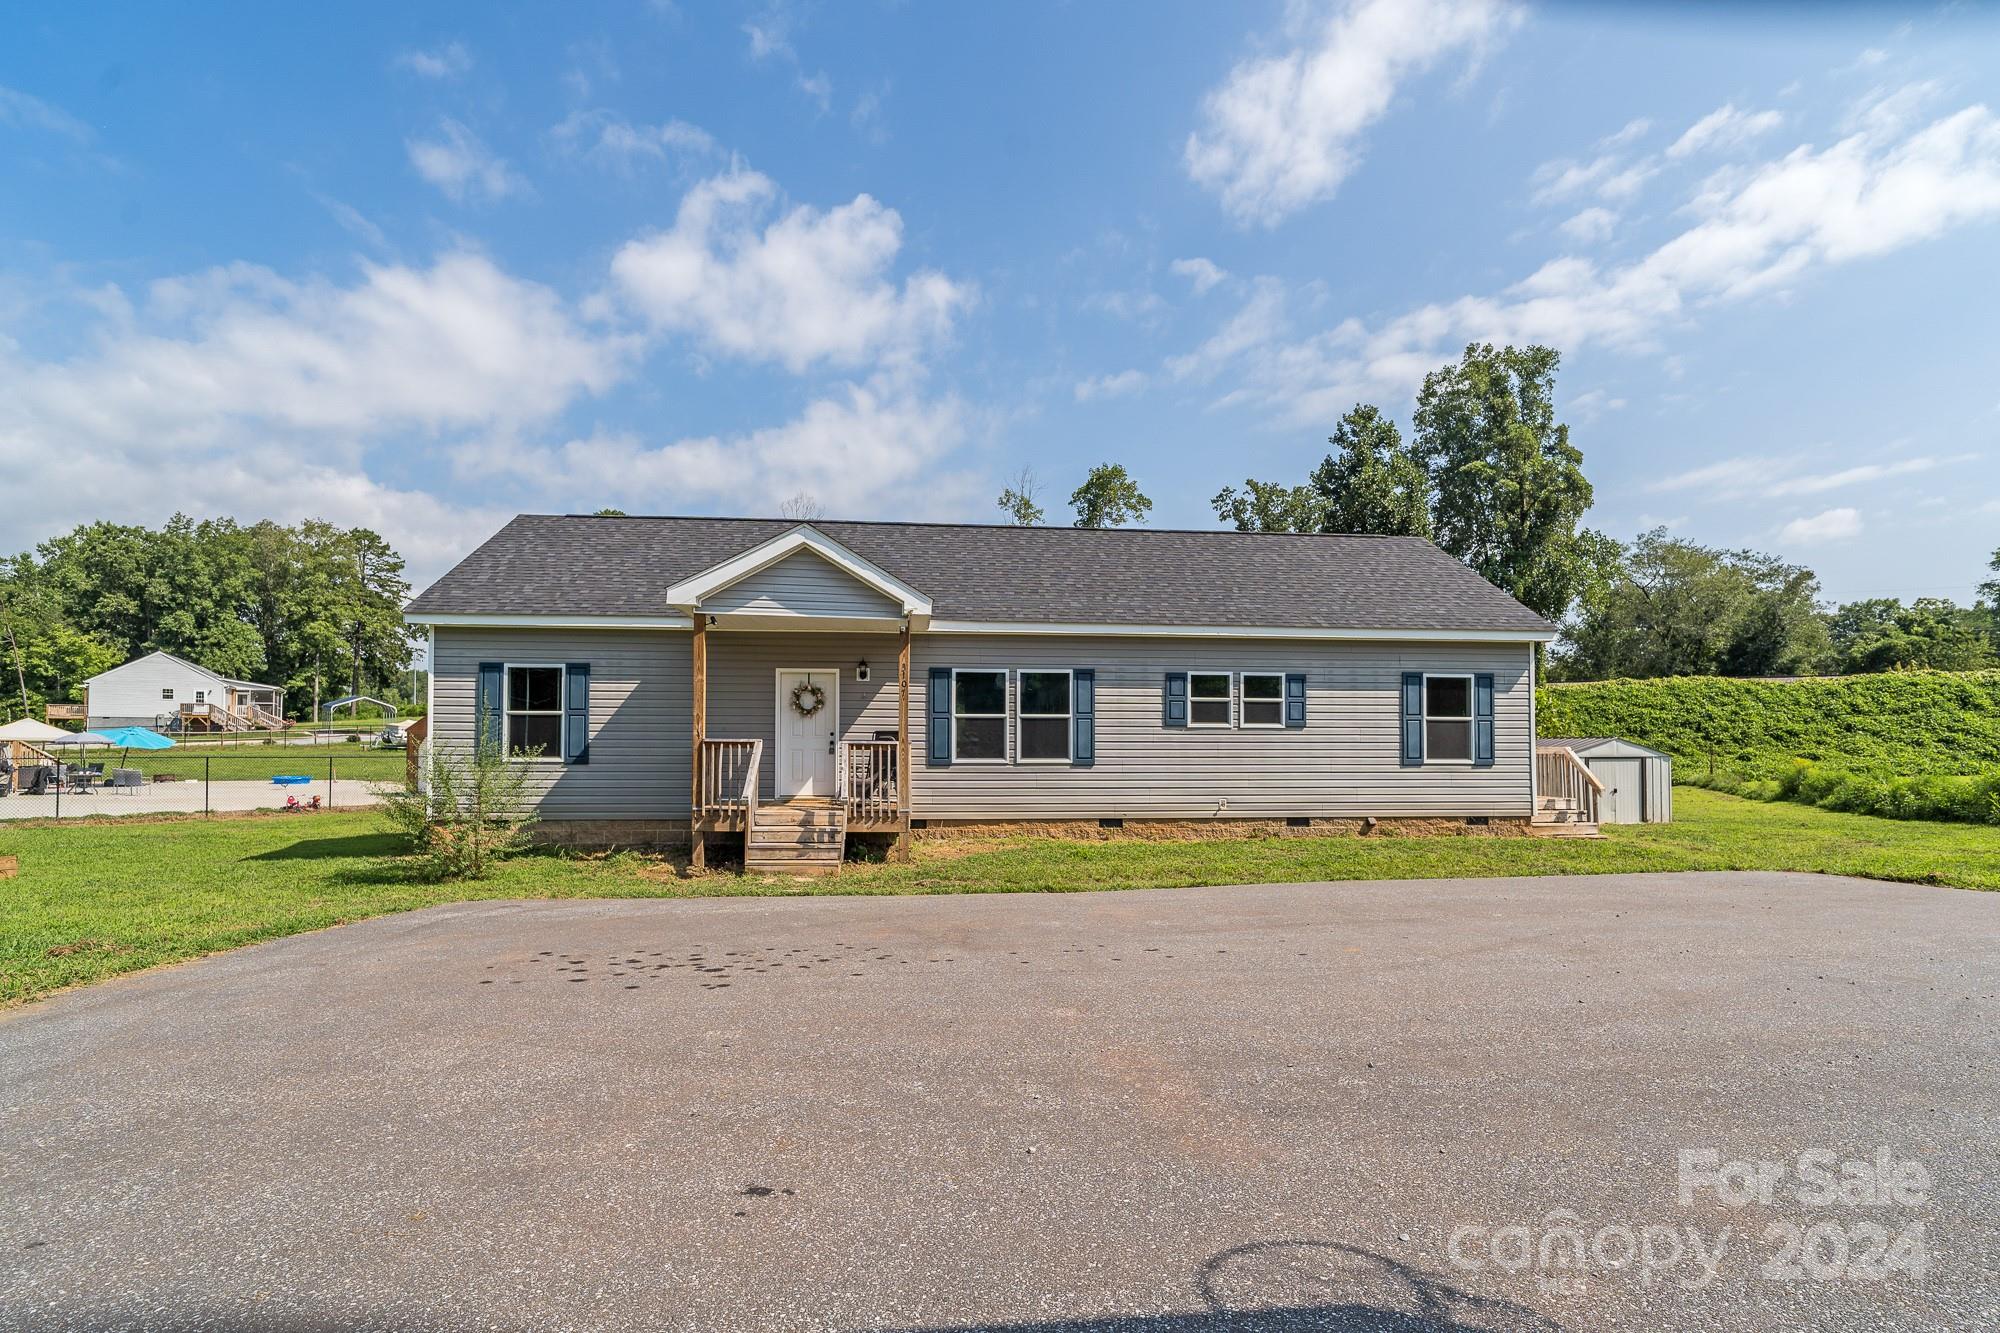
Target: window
column 166, row 691
column 1448, row 719
column 1209, row 697
column 1263, row 699
column 534, row 711
column 1045, row 717
column 979, row 716
column 201, row 696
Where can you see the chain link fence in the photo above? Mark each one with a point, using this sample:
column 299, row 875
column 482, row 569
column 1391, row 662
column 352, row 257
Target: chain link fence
column 317, row 772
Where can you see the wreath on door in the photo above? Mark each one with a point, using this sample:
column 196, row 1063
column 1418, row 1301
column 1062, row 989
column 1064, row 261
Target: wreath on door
column 807, row 698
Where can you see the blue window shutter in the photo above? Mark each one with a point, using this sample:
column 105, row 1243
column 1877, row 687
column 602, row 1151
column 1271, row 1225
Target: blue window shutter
column 1176, row 697
column 1083, row 707
column 1482, row 721
column 1413, row 719
column 487, row 705
column 1295, row 700
column 938, row 752
column 576, row 713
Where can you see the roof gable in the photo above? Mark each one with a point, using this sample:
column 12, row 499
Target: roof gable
column 693, row 593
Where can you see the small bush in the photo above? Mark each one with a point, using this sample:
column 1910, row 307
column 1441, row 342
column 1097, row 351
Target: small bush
column 470, row 807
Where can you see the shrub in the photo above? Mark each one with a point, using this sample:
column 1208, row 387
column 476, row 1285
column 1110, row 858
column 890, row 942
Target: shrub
column 470, row 806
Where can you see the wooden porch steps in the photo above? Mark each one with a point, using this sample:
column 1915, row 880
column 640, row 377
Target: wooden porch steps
column 1561, row 817
column 800, row 837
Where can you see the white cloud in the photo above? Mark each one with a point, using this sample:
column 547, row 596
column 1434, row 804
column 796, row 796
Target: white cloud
column 1110, row 386
column 449, row 61
column 1756, row 230
column 1609, row 176
column 1202, row 273
column 819, row 87
column 605, row 137
column 239, row 391
column 1829, row 525
column 1776, row 476
column 463, row 167
column 23, row 111
column 801, row 288
column 1631, row 130
column 1592, row 404
column 1282, row 130
column 1590, row 226
column 854, row 450
column 1724, row 127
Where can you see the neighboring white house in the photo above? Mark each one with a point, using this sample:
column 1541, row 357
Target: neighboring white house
column 160, row 689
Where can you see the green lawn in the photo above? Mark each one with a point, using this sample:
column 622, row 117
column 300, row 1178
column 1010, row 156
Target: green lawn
column 107, row 896
column 261, row 763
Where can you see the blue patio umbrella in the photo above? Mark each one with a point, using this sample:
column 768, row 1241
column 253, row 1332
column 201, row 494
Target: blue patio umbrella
column 137, row 738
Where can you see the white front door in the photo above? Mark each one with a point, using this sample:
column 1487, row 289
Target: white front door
column 806, row 744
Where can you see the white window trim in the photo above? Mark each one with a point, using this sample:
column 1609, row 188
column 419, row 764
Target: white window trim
column 166, row 694
column 1243, row 701
column 1192, row 672
column 1005, row 714
column 507, row 669
column 1470, row 719
column 1069, row 718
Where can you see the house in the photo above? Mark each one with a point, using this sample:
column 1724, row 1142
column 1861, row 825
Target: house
column 781, row 679
column 162, row 690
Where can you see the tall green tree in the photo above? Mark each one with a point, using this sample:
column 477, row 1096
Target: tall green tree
column 1109, row 498
column 1507, row 486
column 1670, row 607
column 1933, row 633
column 1370, row 483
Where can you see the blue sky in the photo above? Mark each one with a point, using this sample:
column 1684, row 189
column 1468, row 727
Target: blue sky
column 423, row 267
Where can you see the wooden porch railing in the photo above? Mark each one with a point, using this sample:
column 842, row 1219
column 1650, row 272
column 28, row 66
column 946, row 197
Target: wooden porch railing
column 1560, row 774
column 728, row 781
column 866, row 782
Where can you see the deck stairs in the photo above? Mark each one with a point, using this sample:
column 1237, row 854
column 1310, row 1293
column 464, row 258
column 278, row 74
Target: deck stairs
column 1562, row 817
column 801, row 836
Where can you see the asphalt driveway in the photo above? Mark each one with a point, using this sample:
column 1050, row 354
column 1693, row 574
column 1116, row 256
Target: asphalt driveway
column 1442, row 1104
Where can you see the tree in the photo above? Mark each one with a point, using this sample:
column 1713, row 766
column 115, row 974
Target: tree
column 1370, row 484
column 610, row 513
column 1020, row 500
column 1670, row 607
column 1507, row 486
column 1269, row 506
column 1109, row 498
column 1882, row 634
column 802, row 508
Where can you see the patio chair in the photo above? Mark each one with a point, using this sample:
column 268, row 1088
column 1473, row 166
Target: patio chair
column 127, row 778
column 40, row 781
column 6, row 776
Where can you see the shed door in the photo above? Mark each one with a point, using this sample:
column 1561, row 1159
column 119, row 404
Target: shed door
column 1620, row 803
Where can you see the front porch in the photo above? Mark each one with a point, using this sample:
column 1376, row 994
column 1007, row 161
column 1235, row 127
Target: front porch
column 798, row 787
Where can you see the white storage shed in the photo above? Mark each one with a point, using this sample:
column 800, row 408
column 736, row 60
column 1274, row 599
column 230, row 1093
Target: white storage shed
column 1638, row 782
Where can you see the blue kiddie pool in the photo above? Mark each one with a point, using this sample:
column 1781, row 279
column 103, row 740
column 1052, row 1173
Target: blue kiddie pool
column 290, row 780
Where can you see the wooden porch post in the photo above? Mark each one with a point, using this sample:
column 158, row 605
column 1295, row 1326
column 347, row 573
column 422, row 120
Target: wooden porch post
column 903, row 741
column 697, row 842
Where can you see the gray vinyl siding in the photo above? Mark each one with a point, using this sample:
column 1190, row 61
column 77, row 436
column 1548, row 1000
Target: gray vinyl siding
column 743, row 685
column 801, row 584
column 1346, row 761
column 640, row 704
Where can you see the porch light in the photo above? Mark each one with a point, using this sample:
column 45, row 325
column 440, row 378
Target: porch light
column 861, row 669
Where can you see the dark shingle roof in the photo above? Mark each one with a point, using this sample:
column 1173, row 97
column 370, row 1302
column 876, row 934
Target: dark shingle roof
column 545, row 564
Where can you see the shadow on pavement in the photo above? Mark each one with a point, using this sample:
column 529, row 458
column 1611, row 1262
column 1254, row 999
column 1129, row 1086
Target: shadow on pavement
column 1276, row 1286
